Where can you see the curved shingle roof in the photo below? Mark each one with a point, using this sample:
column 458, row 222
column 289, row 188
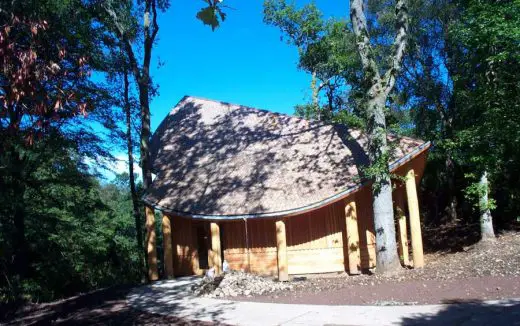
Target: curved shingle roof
column 218, row 160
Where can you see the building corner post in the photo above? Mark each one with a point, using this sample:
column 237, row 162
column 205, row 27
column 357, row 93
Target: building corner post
column 281, row 250
column 151, row 248
column 167, row 247
column 403, row 233
column 353, row 250
column 415, row 221
column 216, row 252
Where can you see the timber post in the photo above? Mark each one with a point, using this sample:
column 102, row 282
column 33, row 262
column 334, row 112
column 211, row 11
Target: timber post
column 403, row 233
column 151, row 249
column 281, row 251
column 354, row 256
column 167, row 246
column 415, row 221
column 216, row 253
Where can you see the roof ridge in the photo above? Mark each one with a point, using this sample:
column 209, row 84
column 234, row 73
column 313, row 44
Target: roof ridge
column 253, row 108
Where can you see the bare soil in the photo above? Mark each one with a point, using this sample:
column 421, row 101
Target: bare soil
column 479, row 272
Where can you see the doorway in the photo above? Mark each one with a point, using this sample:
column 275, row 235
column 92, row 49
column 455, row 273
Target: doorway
column 202, row 245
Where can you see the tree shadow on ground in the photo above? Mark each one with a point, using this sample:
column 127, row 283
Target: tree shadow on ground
column 176, row 298
column 103, row 307
column 470, row 313
column 450, row 237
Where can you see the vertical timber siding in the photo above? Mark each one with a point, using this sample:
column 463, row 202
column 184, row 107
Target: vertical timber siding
column 259, row 256
column 315, row 240
column 186, row 258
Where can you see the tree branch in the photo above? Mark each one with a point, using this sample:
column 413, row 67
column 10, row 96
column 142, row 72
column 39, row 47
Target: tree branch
column 359, row 25
column 127, row 45
column 155, row 24
column 401, row 12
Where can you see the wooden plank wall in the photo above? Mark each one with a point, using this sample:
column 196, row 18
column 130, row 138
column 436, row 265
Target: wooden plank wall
column 315, row 241
column 261, row 256
column 186, row 258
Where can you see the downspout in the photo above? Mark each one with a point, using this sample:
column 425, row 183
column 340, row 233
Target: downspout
column 247, row 248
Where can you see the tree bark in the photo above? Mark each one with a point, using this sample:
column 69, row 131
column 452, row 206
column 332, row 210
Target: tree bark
column 486, row 220
column 315, row 94
column 378, row 89
column 133, row 190
column 150, row 32
column 387, row 259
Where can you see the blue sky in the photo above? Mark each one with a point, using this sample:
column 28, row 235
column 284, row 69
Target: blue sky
column 242, row 62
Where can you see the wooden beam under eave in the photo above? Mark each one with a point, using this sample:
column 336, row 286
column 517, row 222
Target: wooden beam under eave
column 353, row 250
column 168, row 246
column 281, row 250
column 415, row 221
column 402, row 228
column 151, row 249
column 216, row 253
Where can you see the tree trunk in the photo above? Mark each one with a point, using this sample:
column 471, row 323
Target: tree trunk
column 378, row 87
column 315, row 100
column 386, row 246
column 20, row 259
column 452, row 196
column 145, row 135
column 133, row 191
column 486, row 220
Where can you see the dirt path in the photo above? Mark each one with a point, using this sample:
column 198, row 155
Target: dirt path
column 406, row 292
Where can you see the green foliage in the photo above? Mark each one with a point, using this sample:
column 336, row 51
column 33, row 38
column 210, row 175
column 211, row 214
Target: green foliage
column 80, row 233
column 349, row 119
column 306, row 111
column 212, row 15
column 475, row 191
column 487, row 96
column 326, row 50
column 301, row 26
column 59, row 234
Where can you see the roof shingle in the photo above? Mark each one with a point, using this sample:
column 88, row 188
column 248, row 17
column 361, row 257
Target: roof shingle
column 217, row 159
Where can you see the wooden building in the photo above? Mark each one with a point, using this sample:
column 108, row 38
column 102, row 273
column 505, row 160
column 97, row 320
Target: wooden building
column 270, row 193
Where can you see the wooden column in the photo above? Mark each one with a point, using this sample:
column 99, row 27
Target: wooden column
column 354, row 256
column 281, row 250
column 403, row 233
column 151, row 249
column 415, row 221
column 216, row 254
column 168, row 246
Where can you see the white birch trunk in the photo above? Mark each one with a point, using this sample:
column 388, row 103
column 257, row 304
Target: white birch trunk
column 486, row 220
